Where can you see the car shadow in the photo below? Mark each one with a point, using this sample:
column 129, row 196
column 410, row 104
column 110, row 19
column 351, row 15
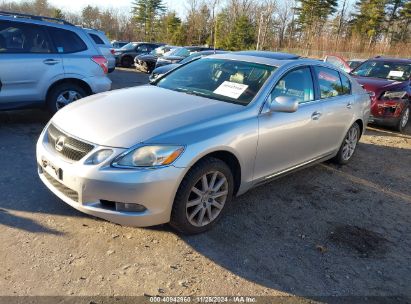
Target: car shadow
column 323, row 231
column 20, row 188
column 376, row 130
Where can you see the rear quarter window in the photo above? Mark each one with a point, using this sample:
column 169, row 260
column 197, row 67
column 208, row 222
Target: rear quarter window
column 97, row 39
column 67, row 41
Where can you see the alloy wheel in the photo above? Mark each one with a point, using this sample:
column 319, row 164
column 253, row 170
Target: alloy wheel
column 207, row 199
column 67, row 97
column 350, row 143
column 405, row 117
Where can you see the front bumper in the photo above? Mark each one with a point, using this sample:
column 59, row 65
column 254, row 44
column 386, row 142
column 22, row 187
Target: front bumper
column 387, row 112
column 86, row 187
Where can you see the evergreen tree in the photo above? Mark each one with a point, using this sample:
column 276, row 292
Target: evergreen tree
column 242, row 36
column 312, row 15
column 145, row 13
column 369, row 20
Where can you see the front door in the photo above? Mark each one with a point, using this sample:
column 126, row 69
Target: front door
column 288, row 140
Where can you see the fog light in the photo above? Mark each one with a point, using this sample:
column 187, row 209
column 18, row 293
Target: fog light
column 130, row 207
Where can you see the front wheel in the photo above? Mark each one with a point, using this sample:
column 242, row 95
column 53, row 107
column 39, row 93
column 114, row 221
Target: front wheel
column 349, row 145
column 403, row 120
column 202, row 197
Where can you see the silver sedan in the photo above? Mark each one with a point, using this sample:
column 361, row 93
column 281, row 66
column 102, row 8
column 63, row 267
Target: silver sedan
column 180, row 149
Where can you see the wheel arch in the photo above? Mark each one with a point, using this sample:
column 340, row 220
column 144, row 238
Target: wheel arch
column 232, row 162
column 361, row 125
column 84, row 85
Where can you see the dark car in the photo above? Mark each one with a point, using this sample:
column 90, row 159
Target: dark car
column 161, row 70
column 388, row 82
column 179, row 54
column 125, row 55
column 147, row 62
column 118, row 44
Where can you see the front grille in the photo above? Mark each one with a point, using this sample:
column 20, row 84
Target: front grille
column 72, row 149
column 61, row 188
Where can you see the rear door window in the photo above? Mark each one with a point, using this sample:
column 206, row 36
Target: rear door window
column 346, row 85
column 67, row 41
column 16, row 37
column 329, row 82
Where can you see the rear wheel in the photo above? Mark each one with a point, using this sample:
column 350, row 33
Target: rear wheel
column 349, row 145
column 405, row 117
column 126, row 62
column 64, row 94
column 202, row 197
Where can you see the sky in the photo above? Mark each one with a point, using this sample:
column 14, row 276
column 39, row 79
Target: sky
column 77, row 5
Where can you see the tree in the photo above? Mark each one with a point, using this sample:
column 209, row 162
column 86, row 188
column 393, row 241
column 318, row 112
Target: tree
column 91, row 17
column 146, row 13
column 242, row 35
column 369, row 20
column 57, row 13
column 313, row 14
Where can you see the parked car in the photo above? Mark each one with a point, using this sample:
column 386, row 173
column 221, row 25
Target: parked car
column 46, row 61
column 179, row 150
column 388, row 82
column 125, row 55
column 119, row 44
column 179, row 54
column 354, row 63
column 160, row 71
column 105, row 47
column 147, row 62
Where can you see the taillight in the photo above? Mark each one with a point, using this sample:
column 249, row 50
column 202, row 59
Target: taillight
column 102, row 62
column 112, row 51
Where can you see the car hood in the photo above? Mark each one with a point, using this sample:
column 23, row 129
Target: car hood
column 124, row 118
column 379, row 85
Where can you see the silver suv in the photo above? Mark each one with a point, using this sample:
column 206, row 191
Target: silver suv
column 102, row 42
column 46, row 61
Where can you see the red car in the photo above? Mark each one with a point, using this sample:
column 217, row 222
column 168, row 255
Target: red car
column 388, row 82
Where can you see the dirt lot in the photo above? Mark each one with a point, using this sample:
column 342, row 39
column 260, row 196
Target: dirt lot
column 323, row 231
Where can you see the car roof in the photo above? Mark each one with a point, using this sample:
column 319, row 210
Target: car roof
column 395, row 60
column 270, row 55
column 250, row 58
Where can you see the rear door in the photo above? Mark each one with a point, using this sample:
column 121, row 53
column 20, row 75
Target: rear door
column 335, row 93
column 28, row 64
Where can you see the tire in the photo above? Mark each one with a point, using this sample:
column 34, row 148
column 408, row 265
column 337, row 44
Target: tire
column 187, row 219
column 63, row 94
column 126, row 62
column 404, row 119
column 349, row 145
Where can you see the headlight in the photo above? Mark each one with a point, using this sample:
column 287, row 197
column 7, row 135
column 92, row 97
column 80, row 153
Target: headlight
column 394, row 95
column 99, row 157
column 148, row 156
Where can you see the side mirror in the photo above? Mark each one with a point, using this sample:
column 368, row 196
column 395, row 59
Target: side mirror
column 285, row 104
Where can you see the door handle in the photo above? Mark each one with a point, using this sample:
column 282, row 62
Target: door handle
column 316, row 115
column 349, row 105
column 51, row 61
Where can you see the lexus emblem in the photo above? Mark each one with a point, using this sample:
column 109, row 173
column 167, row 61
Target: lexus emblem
column 60, row 144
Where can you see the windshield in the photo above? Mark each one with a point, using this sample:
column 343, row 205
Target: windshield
column 221, row 79
column 181, row 52
column 384, row 69
column 129, row 46
column 191, row 57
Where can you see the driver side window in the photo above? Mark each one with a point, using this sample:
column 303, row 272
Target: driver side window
column 298, row 84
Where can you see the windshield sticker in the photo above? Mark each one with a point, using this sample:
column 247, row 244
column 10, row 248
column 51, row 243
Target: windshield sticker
column 231, row 89
column 396, row 74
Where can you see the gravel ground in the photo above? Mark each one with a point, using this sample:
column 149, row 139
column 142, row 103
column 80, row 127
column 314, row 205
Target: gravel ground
column 324, row 231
